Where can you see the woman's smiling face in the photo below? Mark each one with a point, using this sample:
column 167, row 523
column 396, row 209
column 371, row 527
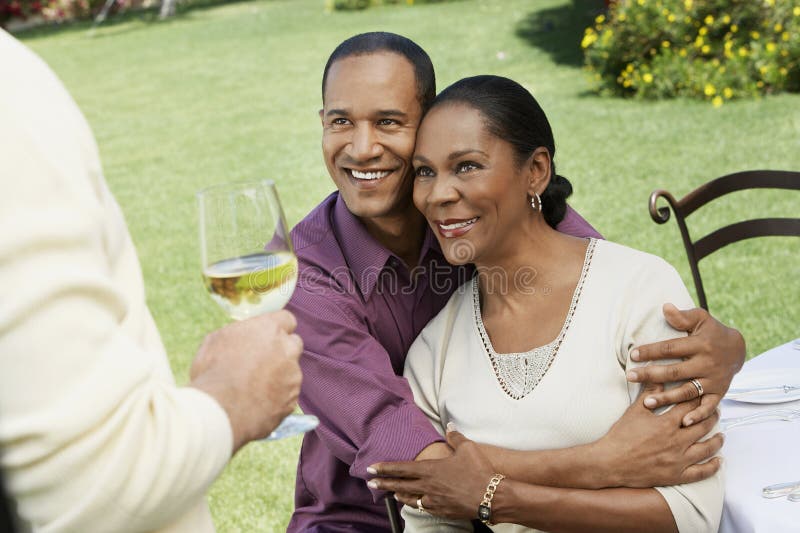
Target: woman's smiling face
column 468, row 184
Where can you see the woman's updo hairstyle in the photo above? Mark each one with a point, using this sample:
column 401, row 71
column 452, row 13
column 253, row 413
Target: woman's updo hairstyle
column 513, row 114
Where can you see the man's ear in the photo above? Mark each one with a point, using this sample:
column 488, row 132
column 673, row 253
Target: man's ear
column 322, row 116
column 539, row 171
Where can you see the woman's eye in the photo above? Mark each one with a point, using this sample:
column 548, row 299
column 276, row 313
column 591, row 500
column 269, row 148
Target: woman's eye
column 423, row 172
column 466, row 166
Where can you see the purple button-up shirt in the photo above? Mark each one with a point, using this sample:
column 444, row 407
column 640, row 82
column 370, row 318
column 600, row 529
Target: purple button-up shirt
column 358, row 310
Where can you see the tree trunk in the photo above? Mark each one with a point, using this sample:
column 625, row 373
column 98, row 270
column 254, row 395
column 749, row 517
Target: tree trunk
column 167, row 8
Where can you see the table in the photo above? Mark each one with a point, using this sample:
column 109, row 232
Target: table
column 759, row 455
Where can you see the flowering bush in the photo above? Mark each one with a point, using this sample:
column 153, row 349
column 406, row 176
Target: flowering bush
column 711, row 49
column 58, row 10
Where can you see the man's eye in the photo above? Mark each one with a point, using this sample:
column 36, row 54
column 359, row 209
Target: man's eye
column 467, row 166
column 339, row 121
column 387, row 122
column 423, row 172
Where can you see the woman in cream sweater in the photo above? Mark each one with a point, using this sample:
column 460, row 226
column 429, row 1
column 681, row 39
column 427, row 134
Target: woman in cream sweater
column 533, row 352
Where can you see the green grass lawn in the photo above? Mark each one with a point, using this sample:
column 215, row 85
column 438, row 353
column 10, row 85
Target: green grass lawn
column 231, row 92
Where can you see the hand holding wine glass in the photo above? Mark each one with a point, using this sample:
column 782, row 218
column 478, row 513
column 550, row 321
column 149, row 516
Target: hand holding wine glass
column 249, row 266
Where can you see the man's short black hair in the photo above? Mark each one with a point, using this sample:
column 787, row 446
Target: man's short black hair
column 380, row 41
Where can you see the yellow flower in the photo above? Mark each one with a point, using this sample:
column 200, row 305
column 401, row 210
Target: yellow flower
column 785, row 36
column 665, row 11
column 784, row 53
column 640, row 2
column 622, row 17
column 734, row 28
column 796, row 11
column 770, row 47
column 710, row 90
column 600, row 18
column 755, row 35
column 588, row 40
column 728, row 92
column 726, row 19
column 728, row 45
column 671, row 17
column 716, row 101
column 743, row 51
column 682, row 53
column 706, row 49
column 770, row 3
column 709, row 20
column 629, row 68
column 687, row 4
column 699, row 42
column 778, row 28
column 715, row 62
column 687, row 20
column 665, row 44
column 703, row 30
column 759, row 84
column 647, row 77
column 627, row 83
column 763, row 70
column 783, row 71
column 722, row 69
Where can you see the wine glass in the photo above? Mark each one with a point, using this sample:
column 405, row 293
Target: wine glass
column 249, row 265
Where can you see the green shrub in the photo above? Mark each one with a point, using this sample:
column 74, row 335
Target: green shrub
column 712, row 49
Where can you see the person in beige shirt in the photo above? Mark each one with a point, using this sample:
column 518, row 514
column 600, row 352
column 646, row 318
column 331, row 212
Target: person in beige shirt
column 94, row 433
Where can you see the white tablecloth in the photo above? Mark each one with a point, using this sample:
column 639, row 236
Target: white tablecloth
column 759, row 455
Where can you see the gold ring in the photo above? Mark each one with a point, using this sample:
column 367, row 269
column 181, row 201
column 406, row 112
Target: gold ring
column 420, row 508
column 697, row 386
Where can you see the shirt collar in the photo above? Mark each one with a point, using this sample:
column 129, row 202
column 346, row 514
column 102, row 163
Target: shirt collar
column 365, row 256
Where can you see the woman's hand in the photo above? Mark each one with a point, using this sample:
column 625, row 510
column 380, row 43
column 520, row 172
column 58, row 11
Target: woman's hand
column 451, row 488
column 713, row 354
column 643, row 450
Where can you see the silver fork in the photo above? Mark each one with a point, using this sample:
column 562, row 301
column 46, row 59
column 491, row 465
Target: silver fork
column 785, row 414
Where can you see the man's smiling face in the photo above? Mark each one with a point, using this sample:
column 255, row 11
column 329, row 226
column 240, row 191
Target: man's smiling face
column 370, row 118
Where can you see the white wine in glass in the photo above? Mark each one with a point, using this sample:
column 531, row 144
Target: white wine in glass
column 249, row 266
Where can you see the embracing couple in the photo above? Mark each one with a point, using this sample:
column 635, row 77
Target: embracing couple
column 416, row 320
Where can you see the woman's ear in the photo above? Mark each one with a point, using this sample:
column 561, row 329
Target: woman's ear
column 539, row 171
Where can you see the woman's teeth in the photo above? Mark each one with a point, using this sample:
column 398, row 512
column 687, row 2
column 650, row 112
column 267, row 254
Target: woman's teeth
column 456, row 225
column 370, row 175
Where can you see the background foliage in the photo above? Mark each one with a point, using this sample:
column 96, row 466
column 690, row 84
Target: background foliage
column 715, row 50
column 227, row 92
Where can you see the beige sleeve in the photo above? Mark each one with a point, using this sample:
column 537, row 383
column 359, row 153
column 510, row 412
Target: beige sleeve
column 423, row 371
column 696, row 507
column 94, row 434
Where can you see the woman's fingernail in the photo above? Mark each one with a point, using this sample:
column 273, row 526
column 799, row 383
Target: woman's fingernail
column 451, row 426
column 635, row 355
column 371, row 470
column 372, row 484
column 650, row 401
column 631, row 375
column 688, row 422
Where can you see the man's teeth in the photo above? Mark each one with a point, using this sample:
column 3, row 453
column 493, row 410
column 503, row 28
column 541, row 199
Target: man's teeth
column 370, row 175
column 448, row 227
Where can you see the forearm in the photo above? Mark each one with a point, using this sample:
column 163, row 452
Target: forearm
column 560, row 510
column 578, row 467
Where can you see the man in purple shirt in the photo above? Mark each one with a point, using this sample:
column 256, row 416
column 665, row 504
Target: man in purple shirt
column 372, row 275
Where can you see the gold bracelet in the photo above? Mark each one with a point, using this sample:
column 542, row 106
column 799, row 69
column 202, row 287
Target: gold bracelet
column 485, row 508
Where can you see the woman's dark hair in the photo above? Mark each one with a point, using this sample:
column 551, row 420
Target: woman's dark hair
column 380, row 41
column 513, row 114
